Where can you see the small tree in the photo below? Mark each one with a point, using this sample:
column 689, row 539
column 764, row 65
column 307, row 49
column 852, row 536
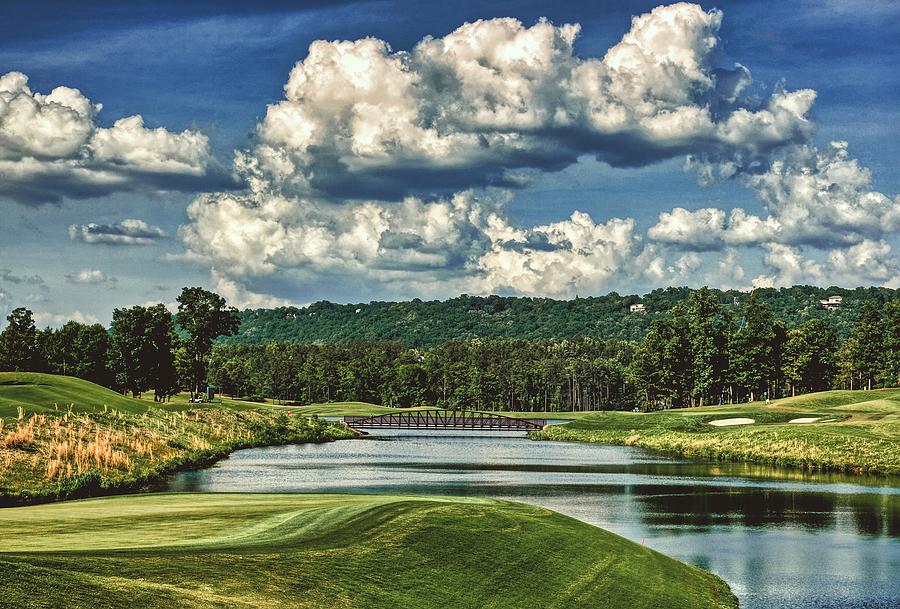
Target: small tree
column 204, row 316
column 18, row 341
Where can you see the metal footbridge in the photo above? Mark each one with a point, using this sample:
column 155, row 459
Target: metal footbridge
column 462, row 420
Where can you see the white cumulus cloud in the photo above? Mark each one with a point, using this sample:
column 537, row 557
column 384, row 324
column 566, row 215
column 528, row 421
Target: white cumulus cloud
column 394, row 167
column 51, row 147
column 88, row 276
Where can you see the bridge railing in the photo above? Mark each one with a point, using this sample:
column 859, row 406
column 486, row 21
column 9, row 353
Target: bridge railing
column 445, row 419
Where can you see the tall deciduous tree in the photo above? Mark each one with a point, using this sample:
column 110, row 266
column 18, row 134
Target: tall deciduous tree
column 18, row 341
column 752, row 363
column 810, row 356
column 890, row 344
column 703, row 307
column 867, row 346
column 162, row 342
column 205, row 317
column 130, row 349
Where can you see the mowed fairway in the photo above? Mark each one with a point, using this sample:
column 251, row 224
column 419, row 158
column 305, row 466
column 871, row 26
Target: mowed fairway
column 853, row 431
column 37, row 392
column 199, row 551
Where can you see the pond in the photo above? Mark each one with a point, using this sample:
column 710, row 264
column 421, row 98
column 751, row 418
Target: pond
column 781, row 539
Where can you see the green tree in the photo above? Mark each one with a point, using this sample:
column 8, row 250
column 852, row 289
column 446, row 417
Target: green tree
column 866, row 355
column 131, row 348
column 77, row 349
column 890, row 344
column 162, row 375
column 665, row 361
column 703, row 306
column 752, row 365
column 810, row 356
column 18, row 341
column 204, row 316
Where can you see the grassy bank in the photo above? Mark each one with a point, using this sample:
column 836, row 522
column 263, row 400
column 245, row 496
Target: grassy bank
column 857, row 432
column 211, row 551
column 63, row 454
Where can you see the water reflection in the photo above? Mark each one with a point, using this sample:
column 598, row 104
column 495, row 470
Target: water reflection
column 780, row 538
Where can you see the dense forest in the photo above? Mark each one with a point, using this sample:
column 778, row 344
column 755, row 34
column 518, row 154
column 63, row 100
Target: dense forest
column 696, row 347
column 700, row 352
column 424, row 324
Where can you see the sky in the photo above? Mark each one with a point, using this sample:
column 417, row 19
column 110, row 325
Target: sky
column 289, row 152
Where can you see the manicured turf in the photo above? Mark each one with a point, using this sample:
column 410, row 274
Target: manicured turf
column 40, row 392
column 367, row 552
column 863, row 435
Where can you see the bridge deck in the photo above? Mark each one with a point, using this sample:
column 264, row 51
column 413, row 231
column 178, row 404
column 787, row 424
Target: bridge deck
column 445, row 419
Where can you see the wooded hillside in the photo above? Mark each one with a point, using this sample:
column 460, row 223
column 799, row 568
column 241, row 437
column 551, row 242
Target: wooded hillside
column 418, row 323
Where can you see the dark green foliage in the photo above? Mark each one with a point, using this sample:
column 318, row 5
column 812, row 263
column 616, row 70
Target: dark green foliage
column 810, row 357
column 890, row 331
column 865, row 349
column 495, row 374
column 425, row 324
column 204, row 316
column 141, row 350
column 752, row 357
column 76, row 349
column 18, row 341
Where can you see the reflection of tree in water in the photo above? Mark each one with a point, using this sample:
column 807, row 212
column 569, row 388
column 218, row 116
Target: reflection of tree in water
column 704, row 507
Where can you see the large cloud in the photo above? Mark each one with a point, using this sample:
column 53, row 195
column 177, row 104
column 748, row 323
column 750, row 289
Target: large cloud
column 393, row 167
column 494, row 97
column 820, row 198
column 51, row 147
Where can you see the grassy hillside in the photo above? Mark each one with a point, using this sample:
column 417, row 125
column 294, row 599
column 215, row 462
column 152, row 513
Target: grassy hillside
column 46, row 393
column 856, row 431
column 48, row 454
column 40, row 392
column 310, row 551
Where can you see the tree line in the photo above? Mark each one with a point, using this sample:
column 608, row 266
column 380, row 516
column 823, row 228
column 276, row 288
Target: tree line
column 701, row 351
column 145, row 347
column 426, row 324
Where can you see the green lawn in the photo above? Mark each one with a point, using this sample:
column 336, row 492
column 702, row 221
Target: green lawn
column 862, row 436
column 367, row 552
column 38, row 392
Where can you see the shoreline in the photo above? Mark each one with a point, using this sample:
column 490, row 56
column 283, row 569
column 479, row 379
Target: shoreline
column 762, row 448
column 252, row 429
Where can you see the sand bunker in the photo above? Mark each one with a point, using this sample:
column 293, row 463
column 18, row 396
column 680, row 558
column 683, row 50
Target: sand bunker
column 805, row 420
column 726, row 422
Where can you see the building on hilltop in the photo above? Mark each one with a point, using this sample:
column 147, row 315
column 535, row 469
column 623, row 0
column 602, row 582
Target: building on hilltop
column 833, row 302
column 638, row 308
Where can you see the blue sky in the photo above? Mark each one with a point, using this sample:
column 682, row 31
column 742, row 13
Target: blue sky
column 212, row 69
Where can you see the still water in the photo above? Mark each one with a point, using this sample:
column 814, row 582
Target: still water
column 780, row 539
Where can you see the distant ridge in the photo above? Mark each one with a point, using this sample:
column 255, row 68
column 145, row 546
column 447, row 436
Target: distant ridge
column 418, row 323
